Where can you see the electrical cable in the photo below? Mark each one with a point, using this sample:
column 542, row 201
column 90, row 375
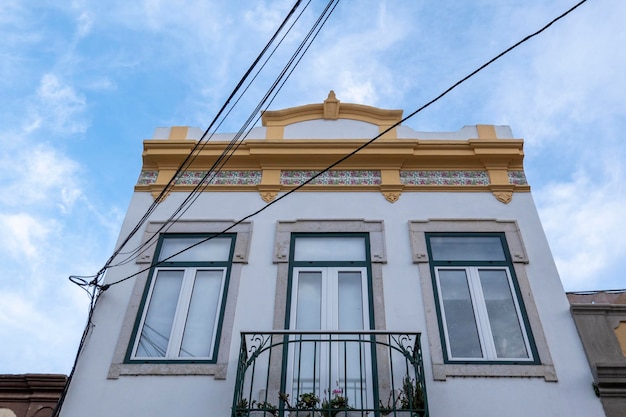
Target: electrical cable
column 189, row 157
column 92, row 306
column 217, row 165
column 97, row 289
column 367, row 143
column 244, row 130
column 274, row 89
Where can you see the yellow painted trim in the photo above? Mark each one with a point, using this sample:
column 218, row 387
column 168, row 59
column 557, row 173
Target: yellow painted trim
column 331, row 109
column 178, row 132
column 495, row 156
column 389, row 155
column 486, row 132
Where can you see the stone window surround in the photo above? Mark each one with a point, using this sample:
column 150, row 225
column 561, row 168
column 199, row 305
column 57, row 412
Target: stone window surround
column 218, row 370
column 282, row 242
column 284, row 229
column 441, row 370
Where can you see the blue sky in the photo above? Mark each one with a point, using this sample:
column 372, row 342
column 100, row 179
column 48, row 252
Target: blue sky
column 82, row 83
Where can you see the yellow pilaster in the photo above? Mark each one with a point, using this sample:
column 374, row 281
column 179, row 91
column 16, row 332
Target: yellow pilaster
column 270, row 184
column 178, row 132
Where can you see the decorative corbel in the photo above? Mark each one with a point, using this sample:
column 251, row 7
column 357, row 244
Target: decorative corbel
column 268, row 196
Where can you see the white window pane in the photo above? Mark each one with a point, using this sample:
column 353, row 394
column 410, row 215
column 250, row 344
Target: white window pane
column 157, row 326
column 459, row 314
column 340, row 248
column 350, row 300
column 466, row 248
column 351, row 353
column 503, row 317
column 306, row 361
column 309, row 302
column 214, row 250
column 203, row 311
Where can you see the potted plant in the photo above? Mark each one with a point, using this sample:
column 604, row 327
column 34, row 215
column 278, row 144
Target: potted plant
column 242, row 408
column 411, row 397
column 264, row 409
column 389, row 407
column 408, row 403
column 337, row 406
column 305, row 406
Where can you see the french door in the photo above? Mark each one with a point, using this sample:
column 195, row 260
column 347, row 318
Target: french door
column 330, row 299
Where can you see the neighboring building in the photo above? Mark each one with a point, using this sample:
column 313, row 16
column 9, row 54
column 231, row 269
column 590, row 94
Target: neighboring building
column 600, row 317
column 30, row 395
column 420, row 261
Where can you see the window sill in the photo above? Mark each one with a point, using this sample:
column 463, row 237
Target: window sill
column 129, row 369
column 442, row 371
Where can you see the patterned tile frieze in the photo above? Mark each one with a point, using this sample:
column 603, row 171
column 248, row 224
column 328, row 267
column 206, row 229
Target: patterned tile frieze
column 517, row 178
column 444, row 178
column 337, row 177
column 147, row 177
column 220, row 178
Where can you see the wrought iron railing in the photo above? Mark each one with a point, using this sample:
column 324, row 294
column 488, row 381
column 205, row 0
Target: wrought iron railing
column 330, row 374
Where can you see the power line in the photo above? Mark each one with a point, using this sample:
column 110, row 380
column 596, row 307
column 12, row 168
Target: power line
column 234, row 144
column 275, row 88
column 191, row 156
column 369, row 142
column 97, row 289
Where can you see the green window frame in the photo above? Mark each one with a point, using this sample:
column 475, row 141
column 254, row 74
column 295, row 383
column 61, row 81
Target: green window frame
column 366, row 263
column 182, row 308
column 328, row 265
column 481, row 315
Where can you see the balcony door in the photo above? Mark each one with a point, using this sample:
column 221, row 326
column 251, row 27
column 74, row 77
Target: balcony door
column 330, row 293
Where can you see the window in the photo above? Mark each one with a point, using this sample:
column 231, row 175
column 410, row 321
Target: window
column 183, row 305
column 330, row 291
column 461, row 254
column 320, row 262
column 481, row 314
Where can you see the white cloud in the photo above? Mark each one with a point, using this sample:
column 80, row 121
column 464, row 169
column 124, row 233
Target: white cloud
column 51, row 332
column 355, row 91
column 572, row 73
column 102, row 84
column 266, row 18
column 84, row 24
column 59, row 106
column 352, row 57
column 23, row 234
column 585, row 224
column 40, row 177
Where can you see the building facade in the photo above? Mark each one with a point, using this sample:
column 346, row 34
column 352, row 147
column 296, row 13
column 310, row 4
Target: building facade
column 30, row 395
column 600, row 318
column 411, row 276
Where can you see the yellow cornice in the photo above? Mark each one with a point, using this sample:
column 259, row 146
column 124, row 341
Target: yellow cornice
column 389, row 165
column 301, row 154
column 495, row 157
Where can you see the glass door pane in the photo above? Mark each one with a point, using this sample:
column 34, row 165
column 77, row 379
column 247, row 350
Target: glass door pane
column 331, row 298
column 352, row 352
column 467, row 248
column 306, row 353
column 344, row 248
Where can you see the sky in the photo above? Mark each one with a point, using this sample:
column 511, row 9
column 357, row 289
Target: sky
column 83, row 83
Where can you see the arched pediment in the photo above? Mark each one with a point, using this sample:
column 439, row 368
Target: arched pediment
column 331, row 109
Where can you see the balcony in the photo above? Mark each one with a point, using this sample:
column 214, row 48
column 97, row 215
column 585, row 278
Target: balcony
column 330, row 373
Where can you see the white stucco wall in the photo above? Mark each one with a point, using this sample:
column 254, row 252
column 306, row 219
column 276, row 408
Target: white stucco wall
column 92, row 394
